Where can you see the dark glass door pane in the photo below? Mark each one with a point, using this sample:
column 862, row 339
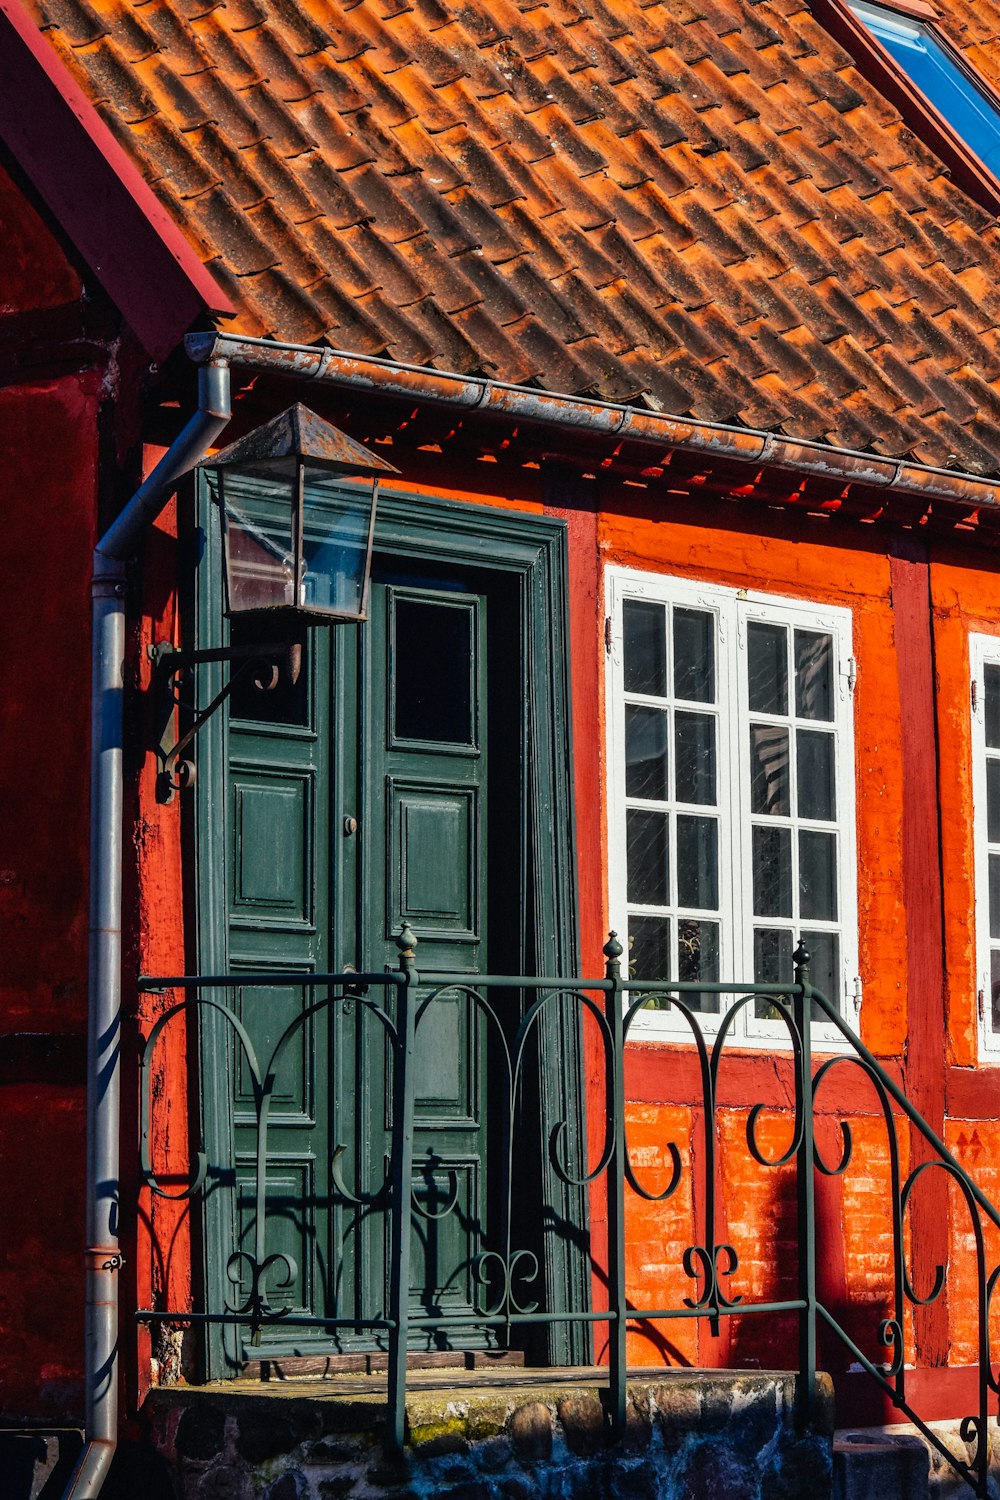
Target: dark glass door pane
column 432, row 685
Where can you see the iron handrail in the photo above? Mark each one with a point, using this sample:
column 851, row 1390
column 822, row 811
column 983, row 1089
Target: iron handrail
column 507, row 1274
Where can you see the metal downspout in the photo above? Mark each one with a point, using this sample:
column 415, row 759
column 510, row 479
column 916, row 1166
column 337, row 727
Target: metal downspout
column 103, row 1255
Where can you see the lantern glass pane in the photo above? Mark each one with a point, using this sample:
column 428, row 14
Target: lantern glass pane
column 257, row 524
column 337, row 522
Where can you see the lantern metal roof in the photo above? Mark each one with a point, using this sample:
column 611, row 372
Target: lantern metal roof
column 298, row 432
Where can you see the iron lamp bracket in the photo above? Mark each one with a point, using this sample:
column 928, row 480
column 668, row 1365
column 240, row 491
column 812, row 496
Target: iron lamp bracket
column 262, row 665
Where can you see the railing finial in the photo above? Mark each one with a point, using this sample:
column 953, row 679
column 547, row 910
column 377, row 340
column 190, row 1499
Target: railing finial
column 613, row 951
column 406, row 941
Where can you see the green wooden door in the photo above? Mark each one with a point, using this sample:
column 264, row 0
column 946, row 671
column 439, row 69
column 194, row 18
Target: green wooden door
column 355, row 801
column 418, row 770
column 427, row 800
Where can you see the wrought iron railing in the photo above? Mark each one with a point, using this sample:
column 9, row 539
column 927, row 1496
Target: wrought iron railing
column 512, row 1008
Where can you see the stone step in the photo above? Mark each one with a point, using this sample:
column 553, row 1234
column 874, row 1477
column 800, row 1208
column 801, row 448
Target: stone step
column 526, row 1435
column 878, row 1463
column 898, row 1462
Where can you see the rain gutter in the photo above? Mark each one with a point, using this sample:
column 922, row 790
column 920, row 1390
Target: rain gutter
column 575, row 413
column 103, row 1255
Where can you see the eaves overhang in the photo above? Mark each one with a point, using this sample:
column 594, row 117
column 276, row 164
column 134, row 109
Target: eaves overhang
column 816, row 475
column 96, row 193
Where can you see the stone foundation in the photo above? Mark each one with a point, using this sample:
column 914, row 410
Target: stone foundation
column 690, row 1436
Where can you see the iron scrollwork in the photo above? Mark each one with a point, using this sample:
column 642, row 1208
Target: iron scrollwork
column 508, row 1276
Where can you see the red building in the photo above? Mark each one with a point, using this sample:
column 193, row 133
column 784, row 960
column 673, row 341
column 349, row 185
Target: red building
column 675, row 329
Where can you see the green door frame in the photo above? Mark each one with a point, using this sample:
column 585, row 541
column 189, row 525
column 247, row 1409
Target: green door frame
column 531, row 550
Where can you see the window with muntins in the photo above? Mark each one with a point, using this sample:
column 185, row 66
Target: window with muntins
column 731, row 791
column 929, row 63
column 984, row 662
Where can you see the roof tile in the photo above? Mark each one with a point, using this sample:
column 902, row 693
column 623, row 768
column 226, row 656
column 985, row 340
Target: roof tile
column 79, row 21
column 117, row 84
column 169, row 155
column 698, row 205
column 329, row 189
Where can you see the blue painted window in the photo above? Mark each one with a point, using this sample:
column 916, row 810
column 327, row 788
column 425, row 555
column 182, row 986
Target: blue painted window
column 953, row 92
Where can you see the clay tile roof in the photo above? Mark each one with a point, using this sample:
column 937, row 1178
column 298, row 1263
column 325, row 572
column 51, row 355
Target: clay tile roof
column 697, row 205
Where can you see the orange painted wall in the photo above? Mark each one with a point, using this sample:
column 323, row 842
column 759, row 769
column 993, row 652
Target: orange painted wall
column 163, row 1256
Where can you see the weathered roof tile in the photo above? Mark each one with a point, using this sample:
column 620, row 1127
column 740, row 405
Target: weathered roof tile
column 697, row 205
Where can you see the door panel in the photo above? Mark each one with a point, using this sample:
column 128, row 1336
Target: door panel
column 427, row 808
column 433, row 855
column 366, row 795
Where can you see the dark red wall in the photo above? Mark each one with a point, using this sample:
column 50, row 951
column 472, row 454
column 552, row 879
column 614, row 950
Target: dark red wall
column 48, row 439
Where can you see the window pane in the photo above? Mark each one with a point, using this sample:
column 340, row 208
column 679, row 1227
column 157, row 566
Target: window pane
column 813, row 675
column 694, row 655
column 814, row 757
column 433, row 677
column 995, row 895
column 645, row 647
column 646, row 731
column 647, row 836
column 767, row 667
column 698, row 958
column 770, row 790
column 649, row 951
column 772, row 964
column 824, row 966
column 772, row 956
column 993, row 800
column 995, row 988
column 818, row 875
column 697, row 862
column 991, row 686
column 772, row 872
column 694, row 757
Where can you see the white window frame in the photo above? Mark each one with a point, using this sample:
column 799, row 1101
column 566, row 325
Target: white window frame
column 984, row 651
column 733, row 609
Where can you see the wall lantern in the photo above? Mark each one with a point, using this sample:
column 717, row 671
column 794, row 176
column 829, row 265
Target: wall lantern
column 297, row 539
column 297, row 547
